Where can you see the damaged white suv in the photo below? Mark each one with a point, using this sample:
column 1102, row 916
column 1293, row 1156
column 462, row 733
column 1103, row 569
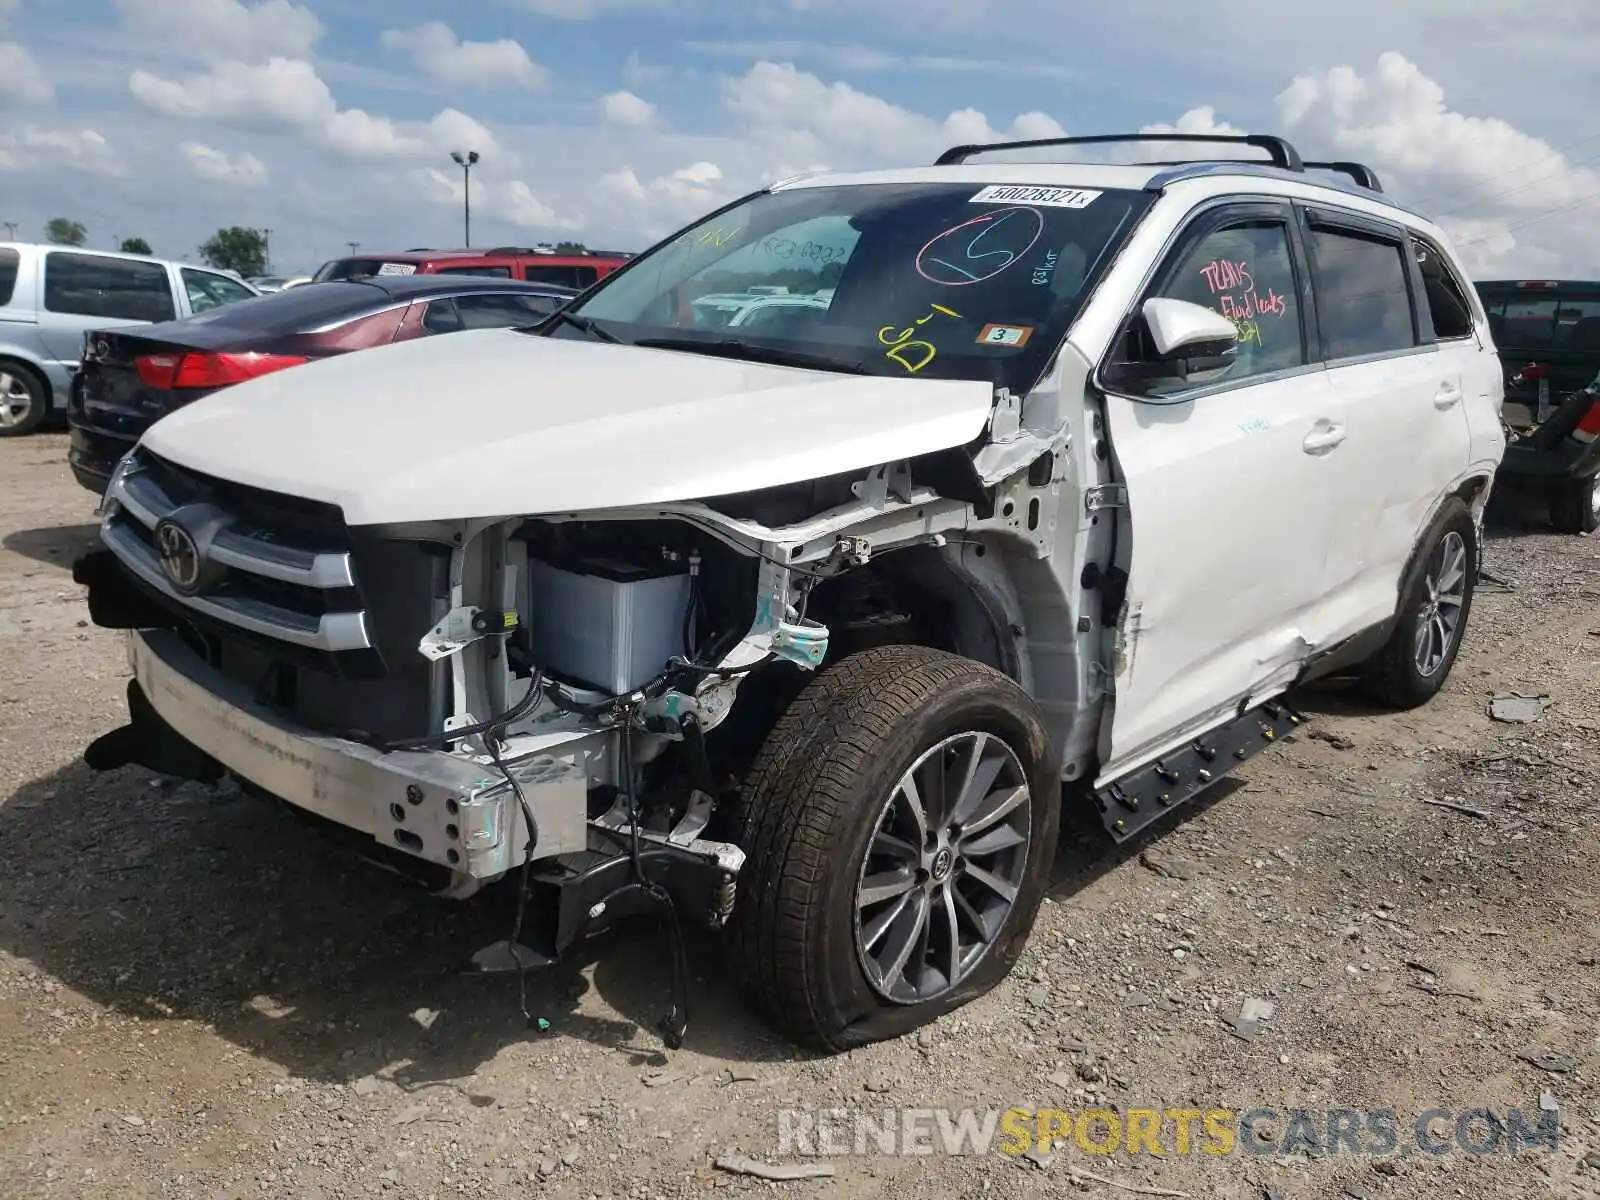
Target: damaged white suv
column 810, row 628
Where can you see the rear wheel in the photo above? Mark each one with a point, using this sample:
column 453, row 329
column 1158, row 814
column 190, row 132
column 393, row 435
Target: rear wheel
column 899, row 823
column 24, row 400
column 1416, row 660
column 1575, row 504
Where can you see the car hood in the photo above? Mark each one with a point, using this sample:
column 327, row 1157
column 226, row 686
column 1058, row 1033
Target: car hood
column 494, row 423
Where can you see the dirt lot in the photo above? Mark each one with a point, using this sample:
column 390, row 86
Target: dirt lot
column 199, row 1000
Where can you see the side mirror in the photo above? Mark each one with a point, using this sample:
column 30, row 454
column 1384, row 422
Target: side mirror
column 1181, row 329
column 1183, row 345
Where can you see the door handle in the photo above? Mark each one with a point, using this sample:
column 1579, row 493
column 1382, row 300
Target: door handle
column 1324, row 437
column 1447, row 397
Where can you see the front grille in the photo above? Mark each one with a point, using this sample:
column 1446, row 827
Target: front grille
column 282, row 609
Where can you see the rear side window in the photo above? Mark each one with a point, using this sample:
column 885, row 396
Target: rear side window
column 113, row 288
column 501, row 310
column 1448, row 306
column 9, row 260
column 574, row 277
column 1363, row 301
column 492, row 272
column 440, row 317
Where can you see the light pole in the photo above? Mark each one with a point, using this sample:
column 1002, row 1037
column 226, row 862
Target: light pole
column 466, row 162
column 266, row 251
column 352, row 246
column 11, row 230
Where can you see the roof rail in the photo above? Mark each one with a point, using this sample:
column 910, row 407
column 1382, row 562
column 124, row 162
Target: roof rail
column 1360, row 172
column 1281, row 153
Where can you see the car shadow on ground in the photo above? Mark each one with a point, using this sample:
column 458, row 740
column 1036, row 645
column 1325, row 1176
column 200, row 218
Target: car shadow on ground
column 169, row 901
column 56, row 545
column 182, row 902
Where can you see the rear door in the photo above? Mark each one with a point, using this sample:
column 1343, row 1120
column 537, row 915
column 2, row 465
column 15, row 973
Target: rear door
column 1405, row 396
column 205, row 290
column 1234, row 489
column 82, row 291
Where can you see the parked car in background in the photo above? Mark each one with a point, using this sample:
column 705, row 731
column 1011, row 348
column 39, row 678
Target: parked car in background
column 130, row 379
column 535, row 264
column 50, row 295
column 1547, row 332
column 759, row 308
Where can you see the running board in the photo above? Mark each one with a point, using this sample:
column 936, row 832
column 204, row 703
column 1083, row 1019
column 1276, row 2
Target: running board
column 1148, row 794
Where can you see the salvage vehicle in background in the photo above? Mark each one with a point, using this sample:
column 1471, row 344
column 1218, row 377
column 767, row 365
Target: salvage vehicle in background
column 535, row 264
column 1548, row 334
column 132, row 378
column 49, row 295
column 809, row 632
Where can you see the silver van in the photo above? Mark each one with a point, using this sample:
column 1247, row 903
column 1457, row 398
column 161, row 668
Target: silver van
column 51, row 295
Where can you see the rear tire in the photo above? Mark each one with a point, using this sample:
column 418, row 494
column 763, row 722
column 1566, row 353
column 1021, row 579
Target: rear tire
column 24, row 400
column 1415, row 662
column 850, row 928
column 1575, row 504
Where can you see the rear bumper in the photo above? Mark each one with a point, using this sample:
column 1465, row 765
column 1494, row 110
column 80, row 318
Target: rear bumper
column 93, row 455
column 435, row 806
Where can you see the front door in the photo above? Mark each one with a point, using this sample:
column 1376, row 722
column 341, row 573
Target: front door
column 1234, row 492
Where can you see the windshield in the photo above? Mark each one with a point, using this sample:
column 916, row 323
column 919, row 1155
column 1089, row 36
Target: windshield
column 932, row 280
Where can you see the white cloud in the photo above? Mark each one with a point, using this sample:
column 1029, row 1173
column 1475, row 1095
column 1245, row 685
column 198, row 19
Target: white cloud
column 510, row 200
column 866, row 59
column 636, row 72
column 219, row 167
column 224, row 29
column 1512, row 201
column 21, row 78
column 435, row 48
column 32, row 148
column 583, row 10
column 801, row 119
column 624, row 108
column 289, row 93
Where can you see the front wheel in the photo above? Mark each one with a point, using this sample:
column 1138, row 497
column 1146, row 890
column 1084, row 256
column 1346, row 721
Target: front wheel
column 1575, row 504
column 899, row 824
column 1416, row 660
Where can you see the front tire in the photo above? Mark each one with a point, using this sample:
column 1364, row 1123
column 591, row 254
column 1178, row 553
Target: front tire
column 1415, row 662
column 1575, row 505
column 899, row 824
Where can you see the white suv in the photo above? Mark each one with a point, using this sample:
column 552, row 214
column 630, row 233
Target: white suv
column 812, row 631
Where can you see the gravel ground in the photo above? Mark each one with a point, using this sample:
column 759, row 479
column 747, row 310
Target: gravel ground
column 197, row 999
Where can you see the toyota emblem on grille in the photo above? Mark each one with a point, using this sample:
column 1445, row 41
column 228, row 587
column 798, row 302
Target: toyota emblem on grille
column 180, row 556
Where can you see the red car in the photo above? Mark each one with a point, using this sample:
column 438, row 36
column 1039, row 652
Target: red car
column 533, row 264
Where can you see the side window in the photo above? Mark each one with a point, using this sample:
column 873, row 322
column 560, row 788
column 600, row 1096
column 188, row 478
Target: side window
column 584, row 276
column 1363, row 301
column 564, row 276
column 207, row 290
column 9, row 262
column 1447, row 299
column 118, row 289
column 1246, row 273
column 494, row 272
column 440, row 317
column 497, row 311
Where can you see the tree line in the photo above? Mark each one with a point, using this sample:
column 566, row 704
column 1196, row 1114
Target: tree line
column 236, row 248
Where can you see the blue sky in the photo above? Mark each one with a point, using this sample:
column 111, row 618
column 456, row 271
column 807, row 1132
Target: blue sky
column 614, row 121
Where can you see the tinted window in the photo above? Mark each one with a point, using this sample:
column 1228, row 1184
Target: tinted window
column 1447, row 299
column 500, row 311
column 207, row 290
column 114, row 288
column 564, row 276
column 8, row 274
column 1363, row 303
column 440, row 317
column 1530, row 324
column 493, row 272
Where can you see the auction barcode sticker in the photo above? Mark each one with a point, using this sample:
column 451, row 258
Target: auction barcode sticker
column 1021, row 193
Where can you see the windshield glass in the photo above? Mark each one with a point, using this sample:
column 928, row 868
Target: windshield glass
column 933, row 280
